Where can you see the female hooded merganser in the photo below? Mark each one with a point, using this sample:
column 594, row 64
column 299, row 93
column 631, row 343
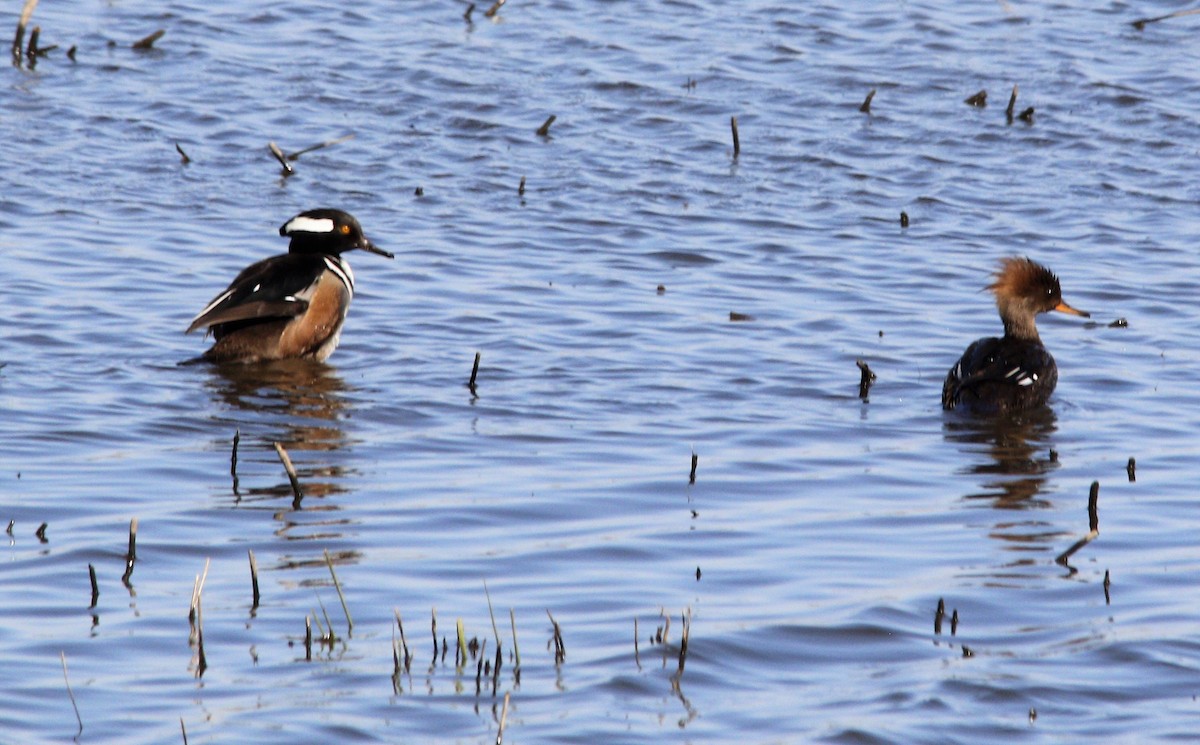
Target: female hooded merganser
column 292, row 305
column 1014, row 372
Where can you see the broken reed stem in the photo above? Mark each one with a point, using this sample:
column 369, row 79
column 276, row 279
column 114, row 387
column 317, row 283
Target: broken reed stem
column 319, row 145
column 560, row 649
column 279, row 156
column 1141, row 22
column 865, row 380
column 737, row 145
column 695, row 462
column 183, row 730
column 512, row 617
column 521, row 187
column 1012, row 104
column 462, row 644
column 503, row 719
column 866, row 105
column 131, row 554
column 496, row 669
column 939, row 615
column 185, row 159
column 148, row 42
column 308, row 638
column 253, row 577
column 95, row 587
column 433, row 629
column 70, row 693
column 1093, row 526
column 198, row 615
column 686, row 622
column 1131, row 470
column 19, row 38
column 291, row 474
column 475, row 367
column 469, row 11
column 636, row 655
column 237, row 437
column 543, row 130
column 491, row 613
column 492, row 11
column 403, row 641
column 338, row 586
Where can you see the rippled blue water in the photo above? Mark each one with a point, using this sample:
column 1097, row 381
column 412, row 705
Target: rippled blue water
column 821, row 530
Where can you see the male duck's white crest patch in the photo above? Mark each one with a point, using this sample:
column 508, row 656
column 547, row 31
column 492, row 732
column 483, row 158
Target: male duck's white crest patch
column 302, row 224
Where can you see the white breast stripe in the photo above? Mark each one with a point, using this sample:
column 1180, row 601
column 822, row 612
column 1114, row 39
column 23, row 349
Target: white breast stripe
column 303, row 224
column 342, row 270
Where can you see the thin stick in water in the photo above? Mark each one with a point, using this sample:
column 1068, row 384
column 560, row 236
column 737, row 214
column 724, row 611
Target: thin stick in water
column 469, row 11
column 475, row 368
column 185, row 159
column 403, row 641
column 70, row 693
column 521, row 187
column 1093, row 526
column 183, row 730
column 491, row 613
column 492, row 11
column 1141, row 22
column 1131, row 470
column 19, row 38
column 308, row 638
column 319, row 145
column 291, row 474
column 131, row 554
column 338, row 586
column 544, row 130
column 253, row 578
column 866, row 105
column 95, row 587
column 512, row 618
column 737, row 143
column 503, row 719
column 148, row 42
column 1012, row 104
column 560, row 649
column 695, row 462
column 279, row 156
column 866, row 380
column 41, row 533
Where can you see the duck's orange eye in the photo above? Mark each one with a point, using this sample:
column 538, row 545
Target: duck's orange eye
column 345, row 230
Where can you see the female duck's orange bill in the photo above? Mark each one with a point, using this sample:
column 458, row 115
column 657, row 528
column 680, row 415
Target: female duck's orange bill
column 1062, row 307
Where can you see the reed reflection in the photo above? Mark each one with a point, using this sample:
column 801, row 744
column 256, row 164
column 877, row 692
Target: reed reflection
column 299, row 404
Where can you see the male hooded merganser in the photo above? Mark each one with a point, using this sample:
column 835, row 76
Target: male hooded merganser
column 292, row 305
column 1015, row 372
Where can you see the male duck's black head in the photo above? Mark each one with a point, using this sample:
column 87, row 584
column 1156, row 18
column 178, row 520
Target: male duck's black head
column 327, row 231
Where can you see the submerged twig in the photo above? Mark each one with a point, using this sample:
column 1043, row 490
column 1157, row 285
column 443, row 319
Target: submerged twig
column 279, row 156
column 866, row 380
column 503, row 719
column 318, row 146
column 131, row 554
column 475, row 368
column 19, row 38
column 737, row 143
column 148, row 42
column 253, row 578
column 979, row 100
column 866, row 105
column 291, row 474
column 70, row 693
column 1093, row 526
column 95, row 587
column 338, row 586
column 1141, row 22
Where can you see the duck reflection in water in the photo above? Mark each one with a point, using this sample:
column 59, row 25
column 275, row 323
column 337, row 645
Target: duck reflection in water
column 1018, row 454
column 297, row 403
